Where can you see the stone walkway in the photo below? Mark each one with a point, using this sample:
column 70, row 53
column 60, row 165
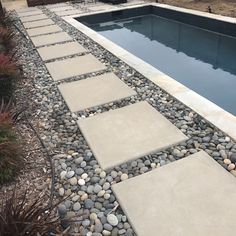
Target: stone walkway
column 182, row 198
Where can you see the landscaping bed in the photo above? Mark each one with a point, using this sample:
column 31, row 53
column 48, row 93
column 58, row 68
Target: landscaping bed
column 221, row 7
column 25, row 171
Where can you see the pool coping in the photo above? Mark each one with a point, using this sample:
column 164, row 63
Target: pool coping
column 214, row 114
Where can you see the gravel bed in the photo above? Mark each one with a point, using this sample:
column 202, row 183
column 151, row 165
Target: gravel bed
column 78, row 175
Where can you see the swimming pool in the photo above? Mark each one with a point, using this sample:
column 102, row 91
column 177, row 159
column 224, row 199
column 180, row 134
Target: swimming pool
column 203, row 59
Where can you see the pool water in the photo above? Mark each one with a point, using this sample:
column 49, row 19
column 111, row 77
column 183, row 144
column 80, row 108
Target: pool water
column 202, row 60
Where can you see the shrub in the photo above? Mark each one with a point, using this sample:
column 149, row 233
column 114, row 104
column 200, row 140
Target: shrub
column 6, row 37
column 8, row 74
column 10, row 158
column 19, row 216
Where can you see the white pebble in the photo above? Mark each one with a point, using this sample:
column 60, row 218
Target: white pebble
column 98, row 171
column 124, row 177
column 107, row 196
column 227, row 161
column 81, row 182
column 153, row 165
column 63, row 174
column 112, row 220
column 73, row 181
column 93, row 216
column 103, row 174
column 106, row 232
column 101, row 193
column 74, row 154
column 231, row 167
column 61, row 192
column 84, row 176
column 84, row 197
column 227, row 139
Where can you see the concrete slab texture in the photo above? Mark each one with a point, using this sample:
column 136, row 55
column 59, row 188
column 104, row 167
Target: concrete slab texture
column 43, row 40
column 34, row 18
column 128, row 133
column 74, row 66
column 30, row 13
column 60, row 50
column 44, row 30
column 190, row 197
column 27, row 9
column 39, row 23
column 91, row 92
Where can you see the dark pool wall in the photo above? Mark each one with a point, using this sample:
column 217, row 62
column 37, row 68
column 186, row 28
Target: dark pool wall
column 187, row 18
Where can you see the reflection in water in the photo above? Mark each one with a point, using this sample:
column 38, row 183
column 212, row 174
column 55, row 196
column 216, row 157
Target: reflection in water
column 202, row 60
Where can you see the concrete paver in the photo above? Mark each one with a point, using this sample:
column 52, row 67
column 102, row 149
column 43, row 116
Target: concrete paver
column 98, row 90
column 74, row 66
column 39, row 23
column 44, row 30
column 50, row 39
column 34, row 18
column 60, row 50
column 128, row 133
column 30, row 13
column 190, row 197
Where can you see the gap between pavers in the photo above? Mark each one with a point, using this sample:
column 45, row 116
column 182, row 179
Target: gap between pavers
column 44, row 40
column 29, row 13
column 38, row 24
column 60, row 50
column 128, row 133
column 43, row 30
column 95, row 91
column 33, row 18
column 74, row 66
column 194, row 196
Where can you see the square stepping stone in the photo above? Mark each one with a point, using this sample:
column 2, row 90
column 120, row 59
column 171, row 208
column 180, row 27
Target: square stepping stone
column 95, row 91
column 60, row 50
column 128, row 133
column 50, row 39
column 74, row 66
column 33, row 18
column 65, row 8
column 30, row 13
column 193, row 196
column 70, row 12
column 39, row 23
column 30, row 9
column 44, row 30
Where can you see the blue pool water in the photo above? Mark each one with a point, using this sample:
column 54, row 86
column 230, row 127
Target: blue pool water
column 202, row 60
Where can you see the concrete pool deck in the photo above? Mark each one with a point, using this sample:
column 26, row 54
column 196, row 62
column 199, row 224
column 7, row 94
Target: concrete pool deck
column 125, row 134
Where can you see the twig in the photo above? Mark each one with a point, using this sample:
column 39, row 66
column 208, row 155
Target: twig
column 48, row 157
column 114, row 209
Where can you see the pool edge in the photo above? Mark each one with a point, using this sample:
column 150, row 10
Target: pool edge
column 214, row 114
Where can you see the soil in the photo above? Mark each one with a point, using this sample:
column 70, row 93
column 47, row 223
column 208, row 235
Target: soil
column 220, row 7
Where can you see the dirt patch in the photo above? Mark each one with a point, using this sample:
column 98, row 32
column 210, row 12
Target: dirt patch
column 220, row 7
